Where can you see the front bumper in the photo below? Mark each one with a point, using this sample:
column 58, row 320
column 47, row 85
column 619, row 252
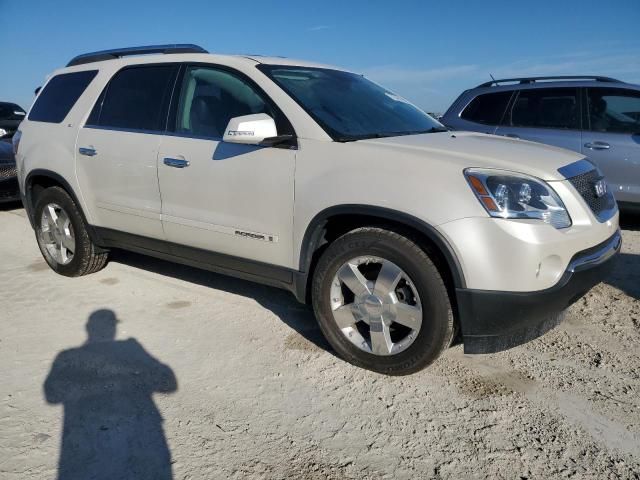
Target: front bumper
column 492, row 321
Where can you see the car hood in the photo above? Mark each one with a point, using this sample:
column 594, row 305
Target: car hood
column 485, row 151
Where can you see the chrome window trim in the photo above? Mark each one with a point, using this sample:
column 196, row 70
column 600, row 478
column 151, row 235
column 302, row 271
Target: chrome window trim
column 125, row 130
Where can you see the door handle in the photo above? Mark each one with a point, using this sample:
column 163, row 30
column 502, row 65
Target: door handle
column 597, row 145
column 87, row 151
column 512, row 135
column 176, row 162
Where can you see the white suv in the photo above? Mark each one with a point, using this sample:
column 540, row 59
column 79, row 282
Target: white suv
column 401, row 234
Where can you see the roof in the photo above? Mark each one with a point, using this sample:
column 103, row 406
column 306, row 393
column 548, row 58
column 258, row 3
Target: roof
column 184, row 52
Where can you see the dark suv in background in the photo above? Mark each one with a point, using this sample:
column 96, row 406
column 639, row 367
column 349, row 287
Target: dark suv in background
column 596, row 116
column 10, row 117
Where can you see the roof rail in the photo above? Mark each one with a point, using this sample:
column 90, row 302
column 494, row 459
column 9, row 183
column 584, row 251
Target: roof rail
column 524, row 80
column 123, row 52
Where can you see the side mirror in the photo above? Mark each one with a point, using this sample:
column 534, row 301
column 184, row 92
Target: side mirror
column 250, row 129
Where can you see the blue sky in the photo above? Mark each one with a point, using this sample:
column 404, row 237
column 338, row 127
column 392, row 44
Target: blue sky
column 427, row 51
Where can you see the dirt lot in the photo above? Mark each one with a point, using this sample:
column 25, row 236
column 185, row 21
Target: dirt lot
column 226, row 379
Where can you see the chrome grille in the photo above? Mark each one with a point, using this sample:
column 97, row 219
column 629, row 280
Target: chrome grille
column 7, row 171
column 585, row 185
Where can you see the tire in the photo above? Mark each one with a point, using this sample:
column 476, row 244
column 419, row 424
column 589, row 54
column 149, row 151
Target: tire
column 85, row 257
column 421, row 285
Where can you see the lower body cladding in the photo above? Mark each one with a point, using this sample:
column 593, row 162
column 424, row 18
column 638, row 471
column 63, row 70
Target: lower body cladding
column 492, row 321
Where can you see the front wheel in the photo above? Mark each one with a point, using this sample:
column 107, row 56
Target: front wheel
column 63, row 237
column 381, row 302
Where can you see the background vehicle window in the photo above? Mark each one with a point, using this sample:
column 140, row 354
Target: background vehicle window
column 135, row 99
column 60, row 95
column 488, row 108
column 546, row 108
column 11, row 111
column 210, row 98
column 613, row 110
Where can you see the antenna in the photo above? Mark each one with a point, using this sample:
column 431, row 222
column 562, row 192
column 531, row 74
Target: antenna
column 494, row 80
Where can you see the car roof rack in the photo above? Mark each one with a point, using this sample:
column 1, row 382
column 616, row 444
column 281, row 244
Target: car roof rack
column 124, row 52
column 525, row 80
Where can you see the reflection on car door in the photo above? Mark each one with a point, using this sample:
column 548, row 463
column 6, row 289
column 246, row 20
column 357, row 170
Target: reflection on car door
column 118, row 148
column 612, row 139
column 226, row 198
column 545, row 115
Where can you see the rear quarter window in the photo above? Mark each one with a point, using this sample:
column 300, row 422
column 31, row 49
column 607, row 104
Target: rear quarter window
column 60, row 95
column 487, row 108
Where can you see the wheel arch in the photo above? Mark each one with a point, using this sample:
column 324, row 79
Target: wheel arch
column 39, row 179
column 339, row 219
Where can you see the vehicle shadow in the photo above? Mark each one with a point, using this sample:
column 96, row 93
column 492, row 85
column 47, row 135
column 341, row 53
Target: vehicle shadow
column 112, row 427
column 626, row 275
column 282, row 303
column 9, row 206
column 630, row 220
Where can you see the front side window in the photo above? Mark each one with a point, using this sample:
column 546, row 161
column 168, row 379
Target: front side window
column 136, row 98
column 546, row 108
column 59, row 96
column 211, row 97
column 348, row 106
column 613, row 110
column 487, row 109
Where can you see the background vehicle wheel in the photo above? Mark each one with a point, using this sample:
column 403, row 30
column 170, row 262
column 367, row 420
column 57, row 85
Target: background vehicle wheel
column 381, row 302
column 62, row 235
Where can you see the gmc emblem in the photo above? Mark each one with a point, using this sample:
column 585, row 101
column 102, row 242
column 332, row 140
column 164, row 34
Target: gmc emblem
column 600, row 187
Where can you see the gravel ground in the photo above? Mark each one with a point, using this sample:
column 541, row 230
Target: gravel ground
column 212, row 377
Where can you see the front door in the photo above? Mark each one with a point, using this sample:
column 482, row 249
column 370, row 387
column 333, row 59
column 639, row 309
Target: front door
column 545, row 115
column 117, row 150
column 220, row 197
column 612, row 139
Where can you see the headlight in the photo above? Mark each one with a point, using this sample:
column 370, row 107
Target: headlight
column 506, row 194
column 3, row 132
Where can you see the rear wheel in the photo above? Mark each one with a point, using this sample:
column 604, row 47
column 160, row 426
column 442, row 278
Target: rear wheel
column 381, row 302
column 63, row 237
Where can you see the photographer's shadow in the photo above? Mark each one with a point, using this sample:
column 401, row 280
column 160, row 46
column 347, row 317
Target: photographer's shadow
column 112, row 427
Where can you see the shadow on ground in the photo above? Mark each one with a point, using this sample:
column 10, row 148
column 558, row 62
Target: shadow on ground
column 282, row 303
column 8, row 206
column 630, row 220
column 112, row 427
column 626, row 275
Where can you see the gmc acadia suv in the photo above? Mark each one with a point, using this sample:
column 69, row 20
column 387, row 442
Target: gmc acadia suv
column 400, row 233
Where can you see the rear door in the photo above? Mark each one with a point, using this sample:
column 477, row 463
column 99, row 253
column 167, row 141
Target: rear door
column 612, row 138
column 117, row 150
column 545, row 115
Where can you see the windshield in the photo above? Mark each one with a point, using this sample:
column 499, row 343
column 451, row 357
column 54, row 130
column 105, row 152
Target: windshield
column 348, row 106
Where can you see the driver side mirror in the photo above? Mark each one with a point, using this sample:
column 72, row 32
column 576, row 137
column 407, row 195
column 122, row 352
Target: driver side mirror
column 257, row 129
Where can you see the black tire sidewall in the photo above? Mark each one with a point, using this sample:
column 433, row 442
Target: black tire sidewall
column 437, row 321
column 83, row 248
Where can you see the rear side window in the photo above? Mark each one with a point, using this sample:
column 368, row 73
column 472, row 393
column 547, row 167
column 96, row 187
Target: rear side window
column 488, row 108
column 546, row 108
column 136, row 98
column 60, row 95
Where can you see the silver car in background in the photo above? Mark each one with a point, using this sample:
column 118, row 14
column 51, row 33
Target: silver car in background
column 596, row 116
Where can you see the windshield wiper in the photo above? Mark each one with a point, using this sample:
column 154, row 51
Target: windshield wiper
column 354, row 138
